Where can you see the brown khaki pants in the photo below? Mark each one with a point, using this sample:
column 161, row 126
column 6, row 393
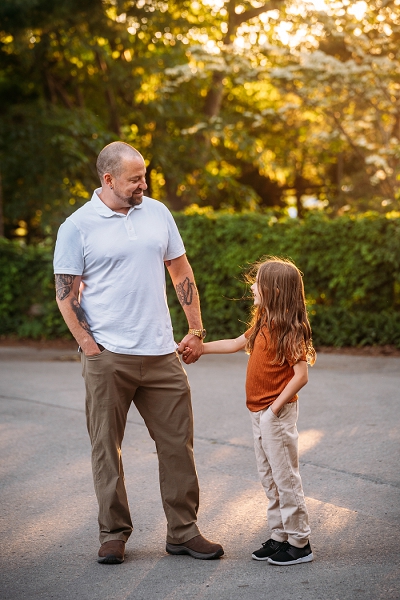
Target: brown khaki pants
column 159, row 388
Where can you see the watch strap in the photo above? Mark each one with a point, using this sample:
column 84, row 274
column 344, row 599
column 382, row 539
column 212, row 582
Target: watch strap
column 200, row 333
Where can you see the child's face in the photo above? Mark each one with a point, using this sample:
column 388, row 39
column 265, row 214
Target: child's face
column 256, row 293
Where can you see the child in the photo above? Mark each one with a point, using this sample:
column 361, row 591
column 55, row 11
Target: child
column 279, row 343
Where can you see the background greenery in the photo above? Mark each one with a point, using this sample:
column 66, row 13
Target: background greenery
column 286, row 105
column 351, row 269
column 250, row 110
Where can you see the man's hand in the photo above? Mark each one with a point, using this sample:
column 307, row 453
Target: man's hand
column 93, row 352
column 195, row 345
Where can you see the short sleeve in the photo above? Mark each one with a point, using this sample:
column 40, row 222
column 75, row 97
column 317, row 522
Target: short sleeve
column 303, row 356
column 175, row 246
column 68, row 253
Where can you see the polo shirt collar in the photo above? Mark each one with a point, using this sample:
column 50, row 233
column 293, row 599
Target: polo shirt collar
column 103, row 210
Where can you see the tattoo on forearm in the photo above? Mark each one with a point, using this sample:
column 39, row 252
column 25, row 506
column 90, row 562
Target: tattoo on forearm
column 64, row 285
column 185, row 291
column 80, row 315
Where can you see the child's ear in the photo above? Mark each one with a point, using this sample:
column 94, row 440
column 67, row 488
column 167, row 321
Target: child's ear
column 277, row 291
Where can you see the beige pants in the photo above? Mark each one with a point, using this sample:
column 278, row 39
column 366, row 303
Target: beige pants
column 276, row 448
column 159, row 388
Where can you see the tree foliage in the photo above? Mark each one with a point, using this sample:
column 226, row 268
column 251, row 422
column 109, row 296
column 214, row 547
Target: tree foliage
column 235, row 104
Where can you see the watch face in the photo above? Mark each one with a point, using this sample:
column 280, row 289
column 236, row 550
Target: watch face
column 203, row 334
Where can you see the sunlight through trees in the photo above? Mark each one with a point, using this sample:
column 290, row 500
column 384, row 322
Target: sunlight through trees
column 281, row 107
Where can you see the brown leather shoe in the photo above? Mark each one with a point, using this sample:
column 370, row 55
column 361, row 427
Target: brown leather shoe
column 112, row 552
column 198, row 547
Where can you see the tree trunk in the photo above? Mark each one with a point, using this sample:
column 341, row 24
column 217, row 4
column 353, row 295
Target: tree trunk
column 339, row 172
column 213, row 102
column 149, row 191
column 299, row 205
column 109, row 95
column 174, row 202
column 215, row 94
column 299, row 190
column 112, row 106
column 1, row 209
column 79, row 98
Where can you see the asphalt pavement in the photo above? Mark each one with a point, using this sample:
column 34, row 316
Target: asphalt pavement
column 349, row 455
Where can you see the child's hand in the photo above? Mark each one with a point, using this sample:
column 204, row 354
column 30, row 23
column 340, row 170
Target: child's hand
column 186, row 353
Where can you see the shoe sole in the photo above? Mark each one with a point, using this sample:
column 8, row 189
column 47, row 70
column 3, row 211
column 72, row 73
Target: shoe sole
column 259, row 558
column 180, row 550
column 110, row 559
column 303, row 559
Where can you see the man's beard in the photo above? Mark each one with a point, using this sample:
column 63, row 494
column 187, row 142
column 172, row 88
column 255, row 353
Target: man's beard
column 133, row 200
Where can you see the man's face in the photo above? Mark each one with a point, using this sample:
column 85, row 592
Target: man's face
column 129, row 186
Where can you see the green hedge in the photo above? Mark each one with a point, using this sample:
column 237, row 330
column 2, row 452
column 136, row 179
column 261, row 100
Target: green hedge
column 27, row 300
column 351, row 269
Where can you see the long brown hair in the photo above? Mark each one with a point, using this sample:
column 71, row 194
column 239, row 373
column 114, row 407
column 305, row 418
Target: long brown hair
column 282, row 310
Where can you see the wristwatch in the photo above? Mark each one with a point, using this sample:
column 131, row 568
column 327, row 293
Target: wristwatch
column 200, row 333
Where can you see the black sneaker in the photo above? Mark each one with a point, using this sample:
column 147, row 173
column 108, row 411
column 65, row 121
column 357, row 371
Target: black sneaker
column 290, row 555
column 269, row 548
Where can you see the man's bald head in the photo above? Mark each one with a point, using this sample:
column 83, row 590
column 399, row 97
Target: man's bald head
column 111, row 158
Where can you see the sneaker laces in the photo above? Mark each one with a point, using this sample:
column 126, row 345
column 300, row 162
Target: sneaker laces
column 271, row 544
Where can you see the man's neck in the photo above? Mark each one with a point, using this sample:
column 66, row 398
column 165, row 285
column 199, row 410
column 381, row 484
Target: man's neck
column 105, row 197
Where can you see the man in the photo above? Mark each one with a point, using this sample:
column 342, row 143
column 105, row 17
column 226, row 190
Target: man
column 110, row 283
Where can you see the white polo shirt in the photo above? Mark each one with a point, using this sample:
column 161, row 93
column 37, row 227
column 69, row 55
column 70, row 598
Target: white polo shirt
column 121, row 261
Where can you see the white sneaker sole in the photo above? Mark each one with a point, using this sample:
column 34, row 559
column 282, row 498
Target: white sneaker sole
column 258, row 558
column 303, row 559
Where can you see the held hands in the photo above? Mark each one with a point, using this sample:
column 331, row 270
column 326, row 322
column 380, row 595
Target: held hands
column 191, row 348
column 186, row 353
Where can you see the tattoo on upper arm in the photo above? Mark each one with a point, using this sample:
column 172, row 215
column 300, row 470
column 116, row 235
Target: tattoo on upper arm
column 185, row 291
column 80, row 315
column 64, row 285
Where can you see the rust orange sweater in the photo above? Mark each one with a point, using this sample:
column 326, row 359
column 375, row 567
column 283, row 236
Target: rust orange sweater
column 264, row 381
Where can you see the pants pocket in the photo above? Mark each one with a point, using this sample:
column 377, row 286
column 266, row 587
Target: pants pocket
column 96, row 355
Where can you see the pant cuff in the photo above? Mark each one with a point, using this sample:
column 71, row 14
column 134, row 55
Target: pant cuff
column 278, row 538
column 298, row 543
column 185, row 537
column 110, row 538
